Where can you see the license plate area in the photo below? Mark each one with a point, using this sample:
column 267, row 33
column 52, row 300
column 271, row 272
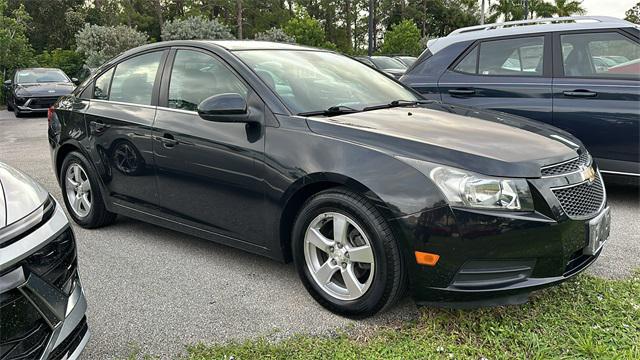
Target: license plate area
column 598, row 230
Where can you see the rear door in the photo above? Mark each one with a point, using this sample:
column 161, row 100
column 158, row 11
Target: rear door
column 596, row 94
column 209, row 173
column 120, row 119
column 510, row 74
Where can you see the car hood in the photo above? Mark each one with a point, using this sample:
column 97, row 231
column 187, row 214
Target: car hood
column 486, row 142
column 20, row 195
column 44, row 89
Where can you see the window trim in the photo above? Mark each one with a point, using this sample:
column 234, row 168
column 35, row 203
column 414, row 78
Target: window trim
column 546, row 56
column 558, row 62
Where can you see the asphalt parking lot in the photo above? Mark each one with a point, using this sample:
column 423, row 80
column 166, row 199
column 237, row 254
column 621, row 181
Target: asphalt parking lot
column 157, row 290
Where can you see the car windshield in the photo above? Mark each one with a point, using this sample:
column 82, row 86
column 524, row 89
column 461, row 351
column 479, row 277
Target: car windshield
column 309, row 81
column 383, row 62
column 34, row 76
column 408, row 60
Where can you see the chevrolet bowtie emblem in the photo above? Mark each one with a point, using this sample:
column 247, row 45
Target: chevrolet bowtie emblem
column 588, row 173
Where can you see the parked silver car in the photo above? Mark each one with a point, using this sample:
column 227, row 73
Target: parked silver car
column 42, row 304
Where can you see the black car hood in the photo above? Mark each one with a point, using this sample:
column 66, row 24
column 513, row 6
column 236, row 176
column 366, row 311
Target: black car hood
column 44, row 89
column 489, row 143
column 20, row 195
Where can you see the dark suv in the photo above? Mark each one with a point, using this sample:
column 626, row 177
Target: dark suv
column 580, row 74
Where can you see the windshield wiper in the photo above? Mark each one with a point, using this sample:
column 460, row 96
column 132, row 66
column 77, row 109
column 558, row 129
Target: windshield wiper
column 332, row 111
column 396, row 103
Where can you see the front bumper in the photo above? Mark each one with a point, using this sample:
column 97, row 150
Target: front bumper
column 36, row 104
column 42, row 303
column 492, row 257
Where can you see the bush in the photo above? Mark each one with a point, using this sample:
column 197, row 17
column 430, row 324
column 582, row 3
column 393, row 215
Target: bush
column 69, row 61
column 403, row 38
column 275, row 34
column 195, row 28
column 101, row 43
column 307, row 31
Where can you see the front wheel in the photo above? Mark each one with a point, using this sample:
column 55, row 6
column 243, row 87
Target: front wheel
column 346, row 255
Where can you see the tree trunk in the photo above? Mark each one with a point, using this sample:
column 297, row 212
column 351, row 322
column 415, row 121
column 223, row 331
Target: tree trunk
column 239, row 19
column 347, row 21
column 159, row 14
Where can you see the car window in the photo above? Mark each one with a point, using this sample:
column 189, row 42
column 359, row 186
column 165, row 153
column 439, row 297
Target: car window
column 37, row 76
column 602, row 54
column 310, row 81
column 101, row 88
column 515, row 57
column 133, row 79
column 468, row 65
column 196, row 76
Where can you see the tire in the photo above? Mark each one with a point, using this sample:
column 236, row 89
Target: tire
column 92, row 212
column 9, row 107
column 379, row 287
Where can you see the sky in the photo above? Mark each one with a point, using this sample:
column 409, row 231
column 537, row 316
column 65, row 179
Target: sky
column 615, row 8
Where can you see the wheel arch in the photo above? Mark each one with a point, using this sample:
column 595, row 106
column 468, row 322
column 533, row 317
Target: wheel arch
column 303, row 189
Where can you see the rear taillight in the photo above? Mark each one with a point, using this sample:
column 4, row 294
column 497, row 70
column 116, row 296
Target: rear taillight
column 50, row 113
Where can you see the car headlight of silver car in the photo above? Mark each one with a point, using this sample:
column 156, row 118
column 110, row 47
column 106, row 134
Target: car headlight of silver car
column 468, row 189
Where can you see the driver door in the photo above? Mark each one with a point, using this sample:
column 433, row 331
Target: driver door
column 209, row 173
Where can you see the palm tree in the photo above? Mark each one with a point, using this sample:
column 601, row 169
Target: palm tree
column 541, row 9
column 508, row 9
column 568, row 8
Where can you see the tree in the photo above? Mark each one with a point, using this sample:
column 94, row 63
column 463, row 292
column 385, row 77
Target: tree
column 633, row 14
column 307, row 31
column 15, row 50
column 569, row 8
column 195, row 27
column 275, row 34
column 69, row 61
column 403, row 38
column 507, row 9
column 101, row 43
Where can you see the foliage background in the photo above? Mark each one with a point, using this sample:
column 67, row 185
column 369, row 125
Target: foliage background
column 49, row 32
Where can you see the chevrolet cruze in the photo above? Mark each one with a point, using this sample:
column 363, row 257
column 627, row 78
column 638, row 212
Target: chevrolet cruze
column 303, row 154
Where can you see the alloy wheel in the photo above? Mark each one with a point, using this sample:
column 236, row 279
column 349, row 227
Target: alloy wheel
column 78, row 190
column 339, row 256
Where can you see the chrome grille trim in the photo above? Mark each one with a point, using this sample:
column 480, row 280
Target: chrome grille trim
column 567, row 167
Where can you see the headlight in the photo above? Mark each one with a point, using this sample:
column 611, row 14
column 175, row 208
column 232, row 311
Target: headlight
column 468, row 189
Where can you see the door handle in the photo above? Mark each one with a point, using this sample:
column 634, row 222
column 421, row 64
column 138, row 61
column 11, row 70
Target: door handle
column 98, row 127
column 462, row 92
column 580, row 93
column 168, row 140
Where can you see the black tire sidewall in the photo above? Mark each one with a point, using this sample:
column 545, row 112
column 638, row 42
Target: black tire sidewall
column 374, row 299
column 92, row 218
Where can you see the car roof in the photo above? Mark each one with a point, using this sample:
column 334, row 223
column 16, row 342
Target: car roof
column 524, row 27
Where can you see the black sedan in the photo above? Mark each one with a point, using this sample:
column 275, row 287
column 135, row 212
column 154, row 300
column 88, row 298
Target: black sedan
column 303, row 154
column 42, row 304
column 34, row 90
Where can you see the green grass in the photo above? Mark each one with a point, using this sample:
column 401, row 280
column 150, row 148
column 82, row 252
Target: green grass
column 587, row 318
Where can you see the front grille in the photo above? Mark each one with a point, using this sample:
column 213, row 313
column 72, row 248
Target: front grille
column 581, row 200
column 24, row 333
column 42, row 103
column 56, row 262
column 71, row 342
column 584, row 160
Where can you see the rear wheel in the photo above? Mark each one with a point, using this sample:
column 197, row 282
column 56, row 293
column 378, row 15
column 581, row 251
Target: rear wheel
column 82, row 197
column 346, row 255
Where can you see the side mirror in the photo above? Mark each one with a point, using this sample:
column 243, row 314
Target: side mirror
column 7, row 83
column 75, row 80
column 230, row 107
